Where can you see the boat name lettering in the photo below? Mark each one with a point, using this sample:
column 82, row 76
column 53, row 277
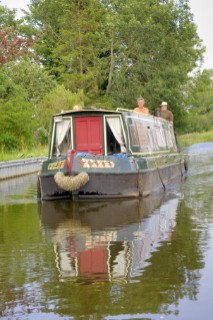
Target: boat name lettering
column 101, row 164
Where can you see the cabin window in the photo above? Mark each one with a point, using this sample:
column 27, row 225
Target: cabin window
column 147, row 134
column 168, row 138
column 150, row 133
column 173, row 137
column 160, row 137
column 62, row 138
column 115, row 138
column 139, row 136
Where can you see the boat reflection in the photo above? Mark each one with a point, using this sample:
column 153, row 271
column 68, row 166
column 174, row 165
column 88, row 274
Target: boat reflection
column 107, row 241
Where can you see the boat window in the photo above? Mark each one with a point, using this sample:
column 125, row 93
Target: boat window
column 160, row 137
column 115, row 138
column 147, row 135
column 150, row 133
column 139, row 135
column 62, row 139
column 168, row 137
column 173, row 138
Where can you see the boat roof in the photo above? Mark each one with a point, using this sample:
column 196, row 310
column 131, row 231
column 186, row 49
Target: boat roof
column 91, row 110
column 96, row 110
column 86, row 110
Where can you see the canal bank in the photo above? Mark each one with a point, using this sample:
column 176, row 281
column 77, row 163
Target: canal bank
column 16, row 168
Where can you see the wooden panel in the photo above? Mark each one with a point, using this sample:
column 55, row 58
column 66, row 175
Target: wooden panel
column 88, row 134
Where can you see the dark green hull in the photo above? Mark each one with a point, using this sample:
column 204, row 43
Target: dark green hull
column 130, row 182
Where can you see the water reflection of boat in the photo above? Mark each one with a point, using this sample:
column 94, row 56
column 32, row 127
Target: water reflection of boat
column 107, row 241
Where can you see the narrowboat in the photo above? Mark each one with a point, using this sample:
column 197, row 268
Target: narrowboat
column 96, row 153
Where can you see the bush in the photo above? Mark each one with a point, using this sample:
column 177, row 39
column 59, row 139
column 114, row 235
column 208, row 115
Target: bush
column 41, row 136
column 54, row 102
column 17, row 123
column 9, row 142
column 195, row 122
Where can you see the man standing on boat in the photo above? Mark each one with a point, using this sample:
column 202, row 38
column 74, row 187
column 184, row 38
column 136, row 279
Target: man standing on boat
column 165, row 113
column 140, row 108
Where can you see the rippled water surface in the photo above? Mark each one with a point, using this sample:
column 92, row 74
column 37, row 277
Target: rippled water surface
column 135, row 259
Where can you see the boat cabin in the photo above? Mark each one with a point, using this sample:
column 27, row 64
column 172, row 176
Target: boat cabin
column 103, row 132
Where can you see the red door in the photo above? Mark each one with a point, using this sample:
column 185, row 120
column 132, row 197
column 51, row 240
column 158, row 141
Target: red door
column 93, row 262
column 88, row 134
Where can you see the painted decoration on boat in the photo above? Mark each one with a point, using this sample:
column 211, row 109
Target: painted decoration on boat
column 56, row 165
column 95, row 164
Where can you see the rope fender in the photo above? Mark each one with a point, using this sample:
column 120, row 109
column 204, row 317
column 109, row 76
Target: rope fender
column 70, row 183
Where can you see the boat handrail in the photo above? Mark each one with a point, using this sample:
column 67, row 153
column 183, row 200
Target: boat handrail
column 124, row 110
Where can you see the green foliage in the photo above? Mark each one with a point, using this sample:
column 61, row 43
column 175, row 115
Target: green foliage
column 54, row 102
column 72, row 43
column 121, row 49
column 200, row 92
column 7, row 18
column 195, row 122
column 199, row 101
column 196, row 137
column 9, row 141
column 103, row 53
column 41, row 136
column 7, row 87
column 31, row 77
column 37, row 150
column 17, row 123
column 161, row 48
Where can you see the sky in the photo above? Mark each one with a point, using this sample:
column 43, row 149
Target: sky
column 201, row 9
column 203, row 12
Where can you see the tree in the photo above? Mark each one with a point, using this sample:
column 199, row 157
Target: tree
column 199, row 102
column 34, row 79
column 120, row 49
column 160, row 48
column 13, row 47
column 13, row 43
column 16, row 121
column 200, row 92
column 54, row 102
column 72, row 42
column 7, row 18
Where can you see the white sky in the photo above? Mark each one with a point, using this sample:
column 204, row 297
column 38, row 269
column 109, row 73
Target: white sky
column 203, row 12
column 201, row 9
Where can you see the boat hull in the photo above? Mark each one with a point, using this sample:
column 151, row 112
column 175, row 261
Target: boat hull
column 115, row 185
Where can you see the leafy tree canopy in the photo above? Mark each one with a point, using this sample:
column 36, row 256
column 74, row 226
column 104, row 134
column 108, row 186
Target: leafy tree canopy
column 14, row 43
column 91, row 51
column 32, row 77
column 58, row 100
column 119, row 48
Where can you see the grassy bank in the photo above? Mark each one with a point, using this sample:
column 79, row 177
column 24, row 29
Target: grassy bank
column 184, row 141
column 187, row 140
column 24, row 154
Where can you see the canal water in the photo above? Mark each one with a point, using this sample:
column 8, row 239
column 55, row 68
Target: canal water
column 136, row 259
